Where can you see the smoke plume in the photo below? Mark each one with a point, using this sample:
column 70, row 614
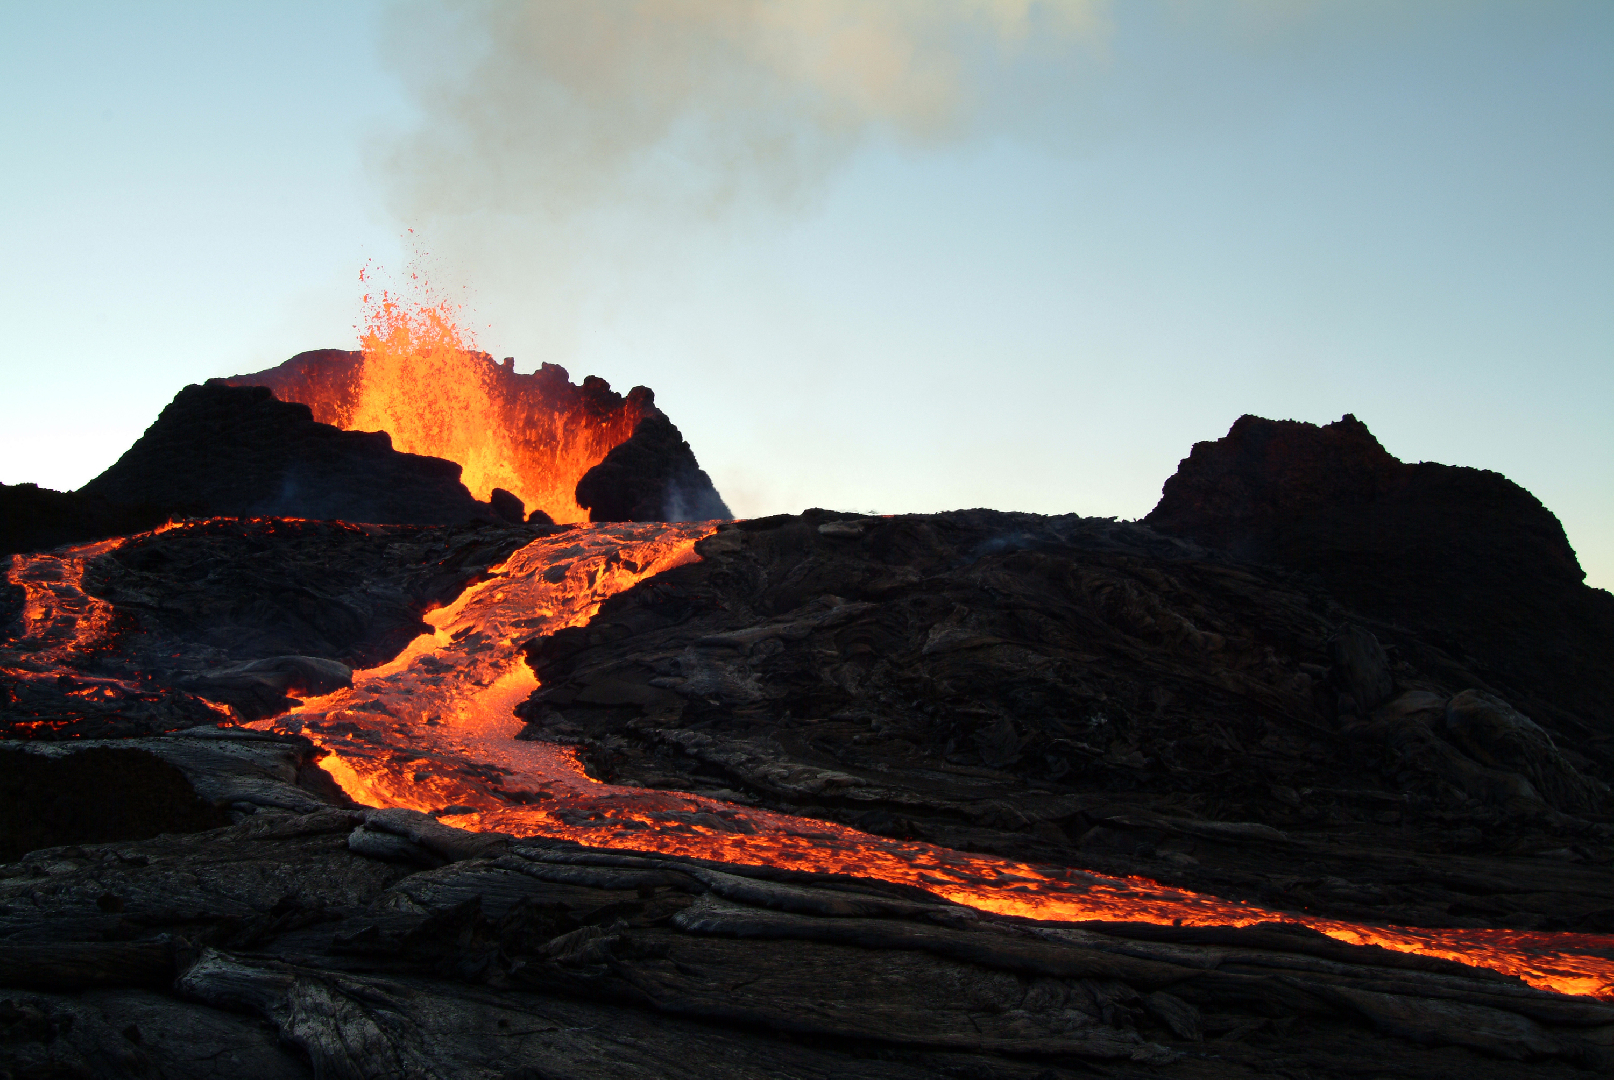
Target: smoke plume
column 548, row 110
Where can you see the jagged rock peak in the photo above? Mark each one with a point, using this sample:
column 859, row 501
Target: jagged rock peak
column 239, row 451
column 1269, row 477
column 1262, row 468
column 652, row 477
column 1454, row 553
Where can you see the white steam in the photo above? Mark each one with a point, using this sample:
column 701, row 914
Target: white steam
column 547, row 110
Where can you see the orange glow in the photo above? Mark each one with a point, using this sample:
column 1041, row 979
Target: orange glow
column 421, row 380
column 65, row 627
column 59, row 617
column 432, row 731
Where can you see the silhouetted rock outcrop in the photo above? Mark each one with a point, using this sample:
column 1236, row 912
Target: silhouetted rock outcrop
column 33, row 518
column 649, row 474
column 1465, row 559
column 652, row 477
column 228, row 450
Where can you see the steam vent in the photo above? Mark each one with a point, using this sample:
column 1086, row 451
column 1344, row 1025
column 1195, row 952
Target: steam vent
column 376, row 720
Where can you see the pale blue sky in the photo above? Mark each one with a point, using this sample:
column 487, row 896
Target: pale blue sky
column 1116, row 243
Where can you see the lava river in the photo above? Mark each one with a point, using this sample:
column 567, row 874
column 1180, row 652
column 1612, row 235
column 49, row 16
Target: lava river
column 433, row 731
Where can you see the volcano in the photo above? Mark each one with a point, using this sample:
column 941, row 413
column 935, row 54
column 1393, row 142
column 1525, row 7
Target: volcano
column 1307, row 773
column 572, row 452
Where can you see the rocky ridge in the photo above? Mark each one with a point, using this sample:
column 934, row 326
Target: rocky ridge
column 1463, row 559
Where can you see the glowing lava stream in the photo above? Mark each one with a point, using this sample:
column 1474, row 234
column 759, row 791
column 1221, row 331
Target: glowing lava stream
column 61, row 622
column 432, row 731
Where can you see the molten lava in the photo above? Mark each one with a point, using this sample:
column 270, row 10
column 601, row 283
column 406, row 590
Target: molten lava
column 433, row 731
column 420, row 379
column 61, row 621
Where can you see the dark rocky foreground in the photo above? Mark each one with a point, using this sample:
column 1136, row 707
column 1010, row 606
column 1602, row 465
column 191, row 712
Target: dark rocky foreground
column 312, row 939
column 1073, row 693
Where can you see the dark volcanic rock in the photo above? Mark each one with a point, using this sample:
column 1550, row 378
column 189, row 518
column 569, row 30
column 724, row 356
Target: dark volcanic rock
column 245, row 613
column 100, row 794
column 227, row 450
column 1084, row 692
column 33, row 518
column 1078, row 694
column 294, row 945
column 1466, row 560
column 652, row 477
column 1493, row 732
column 259, row 688
column 511, row 509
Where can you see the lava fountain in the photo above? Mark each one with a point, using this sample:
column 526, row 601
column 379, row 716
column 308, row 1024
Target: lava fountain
column 420, row 379
column 433, row 731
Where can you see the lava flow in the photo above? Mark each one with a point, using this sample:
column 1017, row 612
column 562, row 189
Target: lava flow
column 63, row 626
column 433, row 731
column 420, row 379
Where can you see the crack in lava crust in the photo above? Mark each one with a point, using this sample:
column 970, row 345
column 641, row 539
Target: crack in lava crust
column 433, row 731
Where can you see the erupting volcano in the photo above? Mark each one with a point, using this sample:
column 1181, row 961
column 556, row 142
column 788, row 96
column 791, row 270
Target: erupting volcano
column 418, row 379
column 1088, row 757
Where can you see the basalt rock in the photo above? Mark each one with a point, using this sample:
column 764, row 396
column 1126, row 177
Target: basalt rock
column 1361, row 669
column 259, row 688
column 1055, row 690
column 1084, row 692
column 1080, row 695
column 100, row 793
column 1469, row 562
column 243, row 613
column 1492, row 731
column 33, row 518
column 511, row 509
column 238, row 451
column 652, row 477
column 298, row 944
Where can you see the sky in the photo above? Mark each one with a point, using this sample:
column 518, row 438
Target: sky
column 897, row 256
